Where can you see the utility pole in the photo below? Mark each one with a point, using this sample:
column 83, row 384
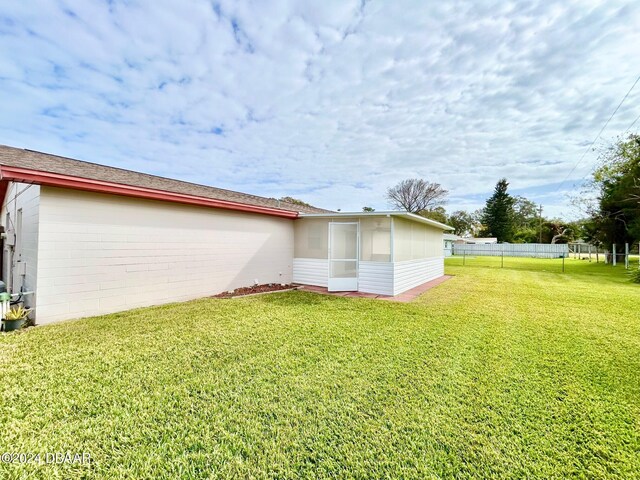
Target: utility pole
column 540, row 210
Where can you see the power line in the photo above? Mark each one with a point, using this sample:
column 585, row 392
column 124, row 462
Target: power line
column 599, row 133
column 632, row 124
column 623, row 134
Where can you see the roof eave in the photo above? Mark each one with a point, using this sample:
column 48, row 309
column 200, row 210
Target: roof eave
column 39, row 177
column 389, row 213
column 428, row 221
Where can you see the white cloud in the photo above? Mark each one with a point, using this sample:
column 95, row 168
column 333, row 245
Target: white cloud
column 330, row 102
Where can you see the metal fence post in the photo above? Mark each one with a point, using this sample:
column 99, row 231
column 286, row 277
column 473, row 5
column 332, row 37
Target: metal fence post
column 502, row 261
column 626, row 256
column 614, row 255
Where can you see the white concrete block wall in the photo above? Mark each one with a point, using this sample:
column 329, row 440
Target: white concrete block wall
column 107, row 253
column 23, row 197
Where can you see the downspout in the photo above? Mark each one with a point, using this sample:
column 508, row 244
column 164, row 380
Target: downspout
column 9, row 266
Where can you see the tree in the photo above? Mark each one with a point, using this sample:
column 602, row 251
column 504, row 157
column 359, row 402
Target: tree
column 615, row 218
column 438, row 214
column 526, row 220
column 368, row 209
column 498, row 214
column 527, row 235
column 559, row 231
column 462, row 222
column 477, row 221
column 560, row 235
column 525, row 213
column 416, row 195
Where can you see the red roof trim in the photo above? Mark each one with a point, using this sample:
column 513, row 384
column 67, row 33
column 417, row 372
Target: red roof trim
column 57, row 180
column 3, row 191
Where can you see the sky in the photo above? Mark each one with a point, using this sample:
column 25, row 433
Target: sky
column 331, row 102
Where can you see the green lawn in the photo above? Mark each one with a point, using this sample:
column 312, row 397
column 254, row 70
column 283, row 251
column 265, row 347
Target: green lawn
column 502, row 373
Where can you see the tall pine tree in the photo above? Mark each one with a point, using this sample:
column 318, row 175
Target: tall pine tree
column 498, row 216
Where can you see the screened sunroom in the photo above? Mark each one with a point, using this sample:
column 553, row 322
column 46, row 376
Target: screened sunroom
column 385, row 253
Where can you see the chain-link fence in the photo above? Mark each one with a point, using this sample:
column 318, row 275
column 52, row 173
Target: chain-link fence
column 541, row 257
column 620, row 254
column 490, row 258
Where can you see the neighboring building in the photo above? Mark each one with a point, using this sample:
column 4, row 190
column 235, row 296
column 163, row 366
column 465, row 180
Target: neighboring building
column 448, row 239
column 85, row 239
column 476, row 241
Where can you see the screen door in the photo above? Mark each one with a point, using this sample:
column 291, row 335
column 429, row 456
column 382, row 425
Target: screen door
column 343, row 257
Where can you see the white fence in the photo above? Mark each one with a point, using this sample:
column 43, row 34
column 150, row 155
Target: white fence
column 532, row 250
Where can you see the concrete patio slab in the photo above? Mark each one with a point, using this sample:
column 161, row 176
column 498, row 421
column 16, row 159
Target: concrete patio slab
column 404, row 297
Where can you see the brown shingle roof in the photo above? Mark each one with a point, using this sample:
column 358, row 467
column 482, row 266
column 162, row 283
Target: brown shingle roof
column 20, row 158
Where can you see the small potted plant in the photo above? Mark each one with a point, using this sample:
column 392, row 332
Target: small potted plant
column 15, row 318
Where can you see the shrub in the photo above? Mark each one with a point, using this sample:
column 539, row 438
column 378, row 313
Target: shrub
column 17, row 313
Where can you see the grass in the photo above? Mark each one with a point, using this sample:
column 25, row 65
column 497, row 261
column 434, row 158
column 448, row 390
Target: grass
column 497, row 373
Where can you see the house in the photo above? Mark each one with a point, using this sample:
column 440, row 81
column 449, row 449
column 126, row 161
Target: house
column 85, row 239
column 448, row 239
column 476, row 241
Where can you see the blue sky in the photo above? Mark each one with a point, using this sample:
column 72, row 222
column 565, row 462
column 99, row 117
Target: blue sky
column 331, row 101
